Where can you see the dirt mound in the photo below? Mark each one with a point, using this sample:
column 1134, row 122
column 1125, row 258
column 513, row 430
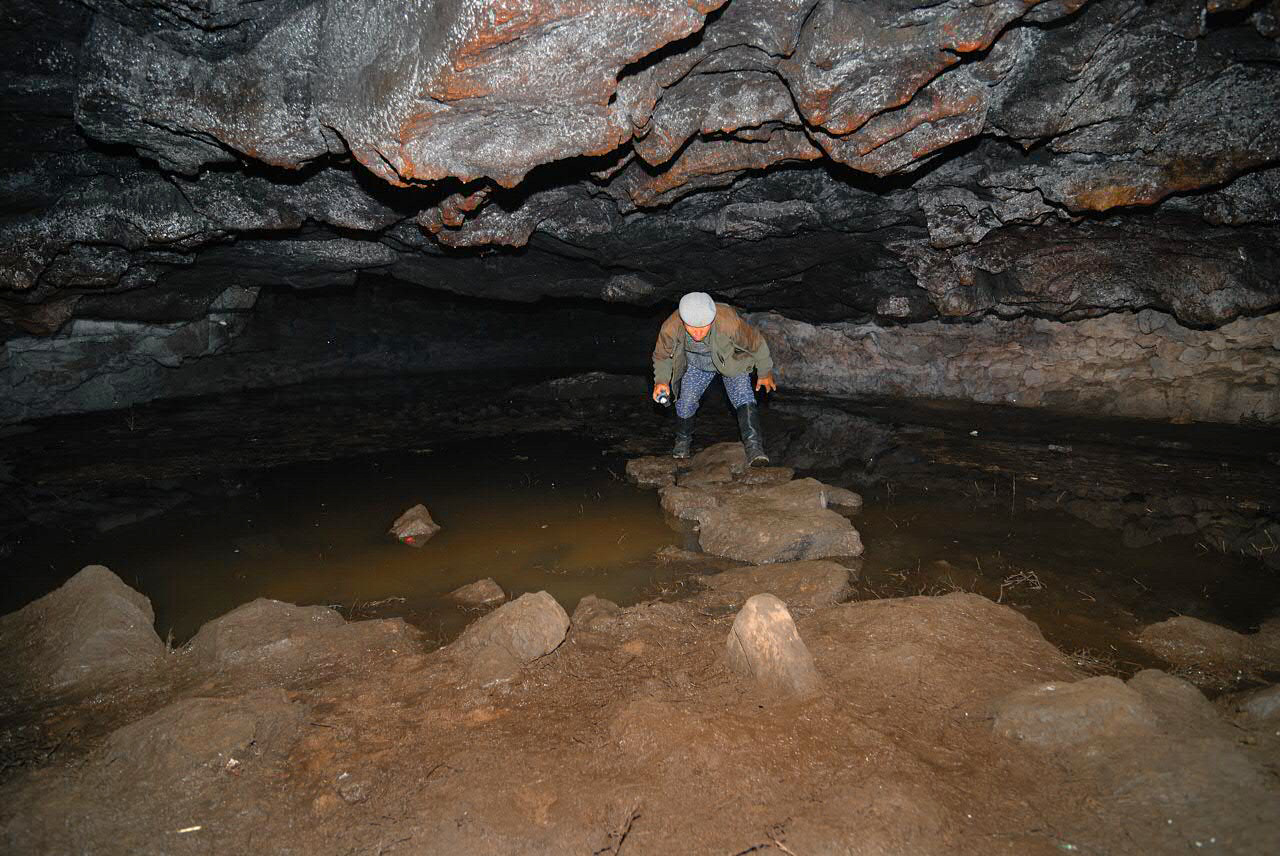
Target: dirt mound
column 93, row 629
column 210, row 735
column 633, row 734
column 283, row 637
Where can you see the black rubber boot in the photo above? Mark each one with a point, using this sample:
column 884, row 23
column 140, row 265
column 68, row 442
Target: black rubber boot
column 752, row 435
column 684, row 438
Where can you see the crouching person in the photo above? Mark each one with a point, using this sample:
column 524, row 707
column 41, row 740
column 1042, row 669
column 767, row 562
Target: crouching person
column 701, row 340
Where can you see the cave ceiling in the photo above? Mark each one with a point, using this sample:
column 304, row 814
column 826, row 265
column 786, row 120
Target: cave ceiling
column 893, row 160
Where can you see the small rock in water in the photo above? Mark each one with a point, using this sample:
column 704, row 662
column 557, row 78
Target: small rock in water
column 415, row 527
column 484, row 592
column 764, row 645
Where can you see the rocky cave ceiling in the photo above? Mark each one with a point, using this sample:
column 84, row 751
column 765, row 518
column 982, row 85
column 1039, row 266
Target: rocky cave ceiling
column 831, row 159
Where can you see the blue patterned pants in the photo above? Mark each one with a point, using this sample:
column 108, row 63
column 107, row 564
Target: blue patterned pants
column 695, row 383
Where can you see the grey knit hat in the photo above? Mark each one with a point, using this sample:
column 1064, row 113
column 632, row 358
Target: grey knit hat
column 697, row 309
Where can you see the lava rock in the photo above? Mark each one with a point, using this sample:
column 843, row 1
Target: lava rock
column 484, row 592
column 90, row 630
column 760, row 520
column 779, row 523
column 1057, row 715
column 652, row 471
column 495, row 647
column 799, row 585
column 765, row 646
column 415, row 527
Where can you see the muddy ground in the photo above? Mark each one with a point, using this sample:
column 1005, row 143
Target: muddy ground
column 296, row 734
column 943, row 723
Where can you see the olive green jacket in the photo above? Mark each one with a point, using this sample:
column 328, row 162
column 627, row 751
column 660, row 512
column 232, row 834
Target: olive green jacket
column 736, row 348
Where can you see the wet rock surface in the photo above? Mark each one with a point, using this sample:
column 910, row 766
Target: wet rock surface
column 757, row 515
column 415, row 527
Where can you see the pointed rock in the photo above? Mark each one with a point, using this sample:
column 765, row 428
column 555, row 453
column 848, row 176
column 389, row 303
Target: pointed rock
column 765, row 646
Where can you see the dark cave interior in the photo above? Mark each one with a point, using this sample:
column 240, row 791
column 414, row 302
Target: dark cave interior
column 273, row 272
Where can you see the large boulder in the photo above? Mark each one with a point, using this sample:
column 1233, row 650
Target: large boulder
column 513, row 635
column 765, row 646
column 92, row 629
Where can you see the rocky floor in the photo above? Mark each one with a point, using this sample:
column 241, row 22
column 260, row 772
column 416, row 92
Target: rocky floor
column 758, row 712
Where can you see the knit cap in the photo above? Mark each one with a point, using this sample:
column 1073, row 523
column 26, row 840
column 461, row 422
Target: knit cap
column 697, row 309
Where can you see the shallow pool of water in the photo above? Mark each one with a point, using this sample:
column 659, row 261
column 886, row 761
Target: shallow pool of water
column 534, row 512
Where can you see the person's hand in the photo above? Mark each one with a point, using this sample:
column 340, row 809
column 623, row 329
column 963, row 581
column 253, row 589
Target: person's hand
column 659, row 389
column 766, row 383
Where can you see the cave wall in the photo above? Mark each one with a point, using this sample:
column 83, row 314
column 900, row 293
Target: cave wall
column 936, row 170
column 1142, row 365
column 253, row 338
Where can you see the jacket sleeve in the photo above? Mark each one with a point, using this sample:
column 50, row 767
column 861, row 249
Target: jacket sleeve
column 664, row 350
column 752, row 340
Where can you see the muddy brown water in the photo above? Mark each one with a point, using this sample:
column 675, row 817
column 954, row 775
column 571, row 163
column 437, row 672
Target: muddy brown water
column 543, row 509
column 534, row 512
